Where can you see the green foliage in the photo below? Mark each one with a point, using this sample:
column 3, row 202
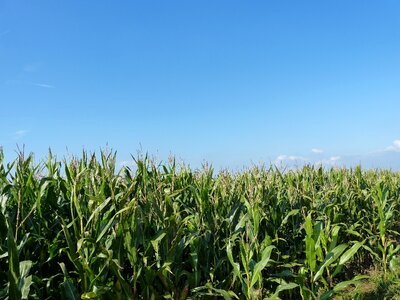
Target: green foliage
column 84, row 229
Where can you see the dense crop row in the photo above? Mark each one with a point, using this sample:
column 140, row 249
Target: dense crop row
column 82, row 229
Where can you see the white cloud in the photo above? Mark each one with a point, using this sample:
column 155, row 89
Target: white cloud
column 20, row 82
column 283, row 158
column 288, row 157
column 331, row 161
column 31, row 68
column 388, row 158
column 316, row 150
column 21, row 133
column 394, row 147
column 44, row 85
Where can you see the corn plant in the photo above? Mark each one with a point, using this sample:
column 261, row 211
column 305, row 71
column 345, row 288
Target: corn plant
column 323, row 257
column 383, row 219
column 84, row 228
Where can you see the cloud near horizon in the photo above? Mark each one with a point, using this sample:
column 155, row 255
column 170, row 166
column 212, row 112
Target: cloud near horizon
column 317, row 151
column 394, row 147
column 284, row 159
column 331, row 161
column 386, row 158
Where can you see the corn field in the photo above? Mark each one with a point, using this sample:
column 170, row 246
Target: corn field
column 83, row 228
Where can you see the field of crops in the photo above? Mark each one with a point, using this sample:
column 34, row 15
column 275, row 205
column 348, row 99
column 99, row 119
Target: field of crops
column 85, row 229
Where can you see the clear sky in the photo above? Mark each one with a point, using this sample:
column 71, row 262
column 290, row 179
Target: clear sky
column 230, row 82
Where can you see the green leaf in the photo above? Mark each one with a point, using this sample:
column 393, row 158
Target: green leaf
column 291, row 213
column 341, row 286
column 227, row 295
column 334, row 234
column 3, row 227
column 25, row 286
column 394, row 264
column 282, row 287
column 89, row 295
column 311, row 255
column 98, row 211
column 350, row 253
column 105, row 229
column 158, row 239
column 68, row 290
column 13, row 266
column 25, row 281
column 236, row 266
column 266, row 254
column 329, row 259
column 308, row 226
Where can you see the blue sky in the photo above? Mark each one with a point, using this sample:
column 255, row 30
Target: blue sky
column 230, row 82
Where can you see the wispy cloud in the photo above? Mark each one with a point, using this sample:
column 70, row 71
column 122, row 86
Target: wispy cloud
column 22, row 82
column 395, row 146
column 43, row 85
column 289, row 158
column 317, row 151
column 26, row 75
column 331, row 161
column 21, row 133
column 387, row 158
